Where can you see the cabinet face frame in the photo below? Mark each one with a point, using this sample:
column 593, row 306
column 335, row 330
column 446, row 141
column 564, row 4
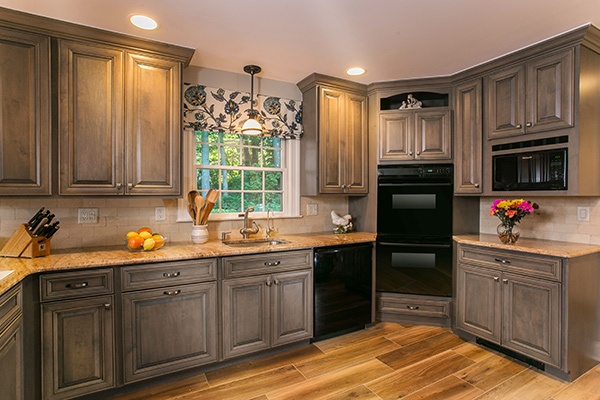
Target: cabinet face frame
column 25, row 130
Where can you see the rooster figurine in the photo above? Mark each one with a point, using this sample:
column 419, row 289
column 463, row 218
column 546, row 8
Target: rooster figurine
column 342, row 224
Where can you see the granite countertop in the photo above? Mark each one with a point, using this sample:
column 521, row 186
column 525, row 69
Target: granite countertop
column 536, row 246
column 66, row 259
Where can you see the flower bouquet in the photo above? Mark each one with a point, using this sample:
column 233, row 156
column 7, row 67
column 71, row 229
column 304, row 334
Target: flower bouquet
column 510, row 213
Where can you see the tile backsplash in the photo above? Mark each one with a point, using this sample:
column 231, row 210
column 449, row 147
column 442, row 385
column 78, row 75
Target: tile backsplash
column 117, row 216
column 555, row 220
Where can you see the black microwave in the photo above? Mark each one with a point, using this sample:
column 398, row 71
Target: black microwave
column 536, row 170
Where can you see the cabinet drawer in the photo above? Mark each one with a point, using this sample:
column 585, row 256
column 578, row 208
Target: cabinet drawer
column 76, row 284
column 149, row 276
column 266, row 263
column 524, row 263
column 404, row 305
column 10, row 306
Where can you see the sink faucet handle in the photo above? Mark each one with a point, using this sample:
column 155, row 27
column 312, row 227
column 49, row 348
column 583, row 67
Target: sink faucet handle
column 224, row 235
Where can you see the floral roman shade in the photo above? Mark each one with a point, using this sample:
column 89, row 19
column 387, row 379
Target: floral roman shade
column 219, row 110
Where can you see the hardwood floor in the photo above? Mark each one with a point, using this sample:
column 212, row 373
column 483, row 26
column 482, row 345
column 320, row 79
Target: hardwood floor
column 387, row 361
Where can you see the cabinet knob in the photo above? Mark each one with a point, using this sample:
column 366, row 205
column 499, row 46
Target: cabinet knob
column 505, row 281
column 119, row 187
column 276, row 281
column 343, row 187
column 496, row 279
column 418, row 152
column 410, row 153
column 269, row 283
column 529, row 124
column 519, row 126
column 412, row 307
column 107, row 306
column 476, row 185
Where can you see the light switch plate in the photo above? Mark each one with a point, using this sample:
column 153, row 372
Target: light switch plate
column 583, row 213
column 312, row 209
column 87, row 216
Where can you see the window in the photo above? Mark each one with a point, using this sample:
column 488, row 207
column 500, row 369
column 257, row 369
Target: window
column 257, row 171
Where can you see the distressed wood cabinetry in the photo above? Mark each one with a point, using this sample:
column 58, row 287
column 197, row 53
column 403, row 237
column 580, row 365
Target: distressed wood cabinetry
column 266, row 301
column 524, row 303
column 25, row 137
column 169, row 317
column 334, row 147
column 11, row 346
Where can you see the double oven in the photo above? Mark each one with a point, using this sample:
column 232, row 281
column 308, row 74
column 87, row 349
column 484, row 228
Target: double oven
column 414, row 229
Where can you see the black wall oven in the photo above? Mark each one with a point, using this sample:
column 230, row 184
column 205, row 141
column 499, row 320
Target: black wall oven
column 414, row 229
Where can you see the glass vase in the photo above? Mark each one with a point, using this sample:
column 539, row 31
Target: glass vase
column 509, row 234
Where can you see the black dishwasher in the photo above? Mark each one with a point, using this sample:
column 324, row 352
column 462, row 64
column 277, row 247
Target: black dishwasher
column 342, row 289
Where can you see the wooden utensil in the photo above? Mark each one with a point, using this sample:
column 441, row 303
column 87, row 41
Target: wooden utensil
column 199, row 203
column 211, row 198
column 192, row 211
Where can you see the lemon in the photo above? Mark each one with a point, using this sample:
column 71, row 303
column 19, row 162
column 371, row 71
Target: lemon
column 131, row 234
column 145, row 234
column 149, row 244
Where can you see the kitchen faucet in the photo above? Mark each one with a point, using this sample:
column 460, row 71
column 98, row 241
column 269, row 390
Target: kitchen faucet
column 248, row 229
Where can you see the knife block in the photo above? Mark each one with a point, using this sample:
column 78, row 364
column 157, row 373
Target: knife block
column 23, row 244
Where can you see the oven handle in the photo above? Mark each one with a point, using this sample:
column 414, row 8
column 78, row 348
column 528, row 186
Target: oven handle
column 441, row 246
column 416, row 184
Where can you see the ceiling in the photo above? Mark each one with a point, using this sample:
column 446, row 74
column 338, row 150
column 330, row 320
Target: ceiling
column 289, row 39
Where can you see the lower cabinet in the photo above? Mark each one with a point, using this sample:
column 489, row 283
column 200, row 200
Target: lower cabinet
column 11, row 346
column 268, row 309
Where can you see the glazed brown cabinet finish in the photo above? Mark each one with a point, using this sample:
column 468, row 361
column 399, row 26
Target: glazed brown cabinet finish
column 25, row 138
column 415, row 135
column 11, row 346
column 119, row 121
column 530, row 97
column 268, row 309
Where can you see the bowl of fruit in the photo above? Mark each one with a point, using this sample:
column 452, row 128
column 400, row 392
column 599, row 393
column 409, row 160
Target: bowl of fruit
column 144, row 240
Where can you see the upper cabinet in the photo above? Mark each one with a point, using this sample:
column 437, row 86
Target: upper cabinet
column 334, row 147
column 25, row 146
column 119, row 129
column 529, row 97
column 117, row 106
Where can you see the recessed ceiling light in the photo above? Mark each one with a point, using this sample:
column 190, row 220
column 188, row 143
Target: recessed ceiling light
column 355, row 71
column 143, row 22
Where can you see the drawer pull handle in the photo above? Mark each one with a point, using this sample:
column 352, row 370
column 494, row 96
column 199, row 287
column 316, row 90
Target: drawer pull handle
column 502, row 261
column 172, row 292
column 77, row 285
column 172, row 274
column 272, row 264
column 412, row 307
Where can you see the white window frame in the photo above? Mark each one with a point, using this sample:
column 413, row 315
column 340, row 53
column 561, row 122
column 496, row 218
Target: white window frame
column 291, row 182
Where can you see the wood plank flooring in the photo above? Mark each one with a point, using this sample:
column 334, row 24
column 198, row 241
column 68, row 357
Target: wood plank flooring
column 387, row 361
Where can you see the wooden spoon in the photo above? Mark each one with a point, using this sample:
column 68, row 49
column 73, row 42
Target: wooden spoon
column 199, row 203
column 192, row 211
column 211, row 198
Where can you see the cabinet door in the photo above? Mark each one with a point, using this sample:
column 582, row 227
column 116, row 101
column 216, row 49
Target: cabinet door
column 479, row 302
column 77, row 347
column 11, row 362
column 169, row 329
column 90, row 119
column 356, row 158
column 25, row 140
column 292, row 307
column 468, row 169
column 531, row 318
column 550, row 92
column 433, row 135
column 332, row 125
column 396, row 136
column 246, row 315
column 505, row 102
column 153, row 126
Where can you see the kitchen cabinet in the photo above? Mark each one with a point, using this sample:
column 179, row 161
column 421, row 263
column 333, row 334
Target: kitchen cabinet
column 119, row 121
column 266, row 301
column 415, row 135
column 169, row 317
column 468, row 129
column 532, row 96
column 77, row 333
column 11, row 346
column 335, row 135
column 535, row 305
column 25, row 142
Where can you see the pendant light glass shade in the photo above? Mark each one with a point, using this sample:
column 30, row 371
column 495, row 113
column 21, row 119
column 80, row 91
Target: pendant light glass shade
column 252, row 126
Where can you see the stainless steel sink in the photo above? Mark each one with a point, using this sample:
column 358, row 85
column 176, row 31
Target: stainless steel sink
column 254, row 242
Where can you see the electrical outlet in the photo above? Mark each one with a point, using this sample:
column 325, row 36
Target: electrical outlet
column 160, row 213
column 583, row 213
column 87, row 216
column 311, row 209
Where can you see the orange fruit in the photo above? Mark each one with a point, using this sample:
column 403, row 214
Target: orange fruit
column 149, row 244
column 145, row 229
column 135, row 242
column 158, row 240
column 146, row 234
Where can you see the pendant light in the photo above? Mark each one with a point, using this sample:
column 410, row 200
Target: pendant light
column 252, row 126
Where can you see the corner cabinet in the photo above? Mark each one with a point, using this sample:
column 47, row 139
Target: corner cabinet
column 535, row 96
column 266, row 301
column 25, row 137
column 335, row 135
column 530, row 304
column 119, row 121
column 409, row 135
